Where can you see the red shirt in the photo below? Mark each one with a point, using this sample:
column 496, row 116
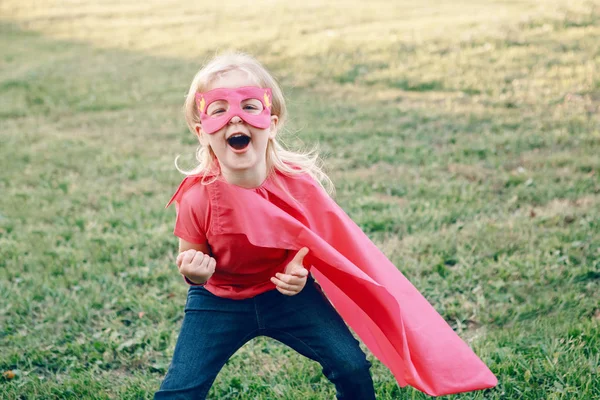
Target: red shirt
column 243, row 270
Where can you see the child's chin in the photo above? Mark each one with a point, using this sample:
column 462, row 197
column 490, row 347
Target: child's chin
column 247, row 163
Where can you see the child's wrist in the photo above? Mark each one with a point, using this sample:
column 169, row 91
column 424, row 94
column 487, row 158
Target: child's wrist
column 193, row 282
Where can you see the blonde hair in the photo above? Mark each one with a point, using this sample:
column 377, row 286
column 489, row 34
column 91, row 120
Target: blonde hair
column 277, row 158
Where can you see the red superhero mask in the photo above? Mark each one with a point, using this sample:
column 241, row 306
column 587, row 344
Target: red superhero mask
column 252, row 104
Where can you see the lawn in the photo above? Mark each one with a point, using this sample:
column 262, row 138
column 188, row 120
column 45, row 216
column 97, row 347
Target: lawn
column 464, row 139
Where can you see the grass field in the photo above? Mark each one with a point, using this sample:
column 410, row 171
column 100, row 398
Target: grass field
column 464, row 138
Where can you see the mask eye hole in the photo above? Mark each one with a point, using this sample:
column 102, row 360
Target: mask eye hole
column 217, row 108
column 252, row 106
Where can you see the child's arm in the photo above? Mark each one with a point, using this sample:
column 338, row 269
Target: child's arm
column 194, row 262
column 184, row 246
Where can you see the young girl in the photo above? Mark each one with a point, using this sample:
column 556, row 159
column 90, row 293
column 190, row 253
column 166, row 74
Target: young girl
column 255, row 228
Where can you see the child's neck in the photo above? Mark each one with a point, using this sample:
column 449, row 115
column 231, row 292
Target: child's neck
column 249, row 179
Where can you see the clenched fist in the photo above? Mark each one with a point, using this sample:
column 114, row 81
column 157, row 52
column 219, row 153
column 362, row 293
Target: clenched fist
column 196, row 266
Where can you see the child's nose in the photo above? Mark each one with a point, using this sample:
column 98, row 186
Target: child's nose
column 235, row 120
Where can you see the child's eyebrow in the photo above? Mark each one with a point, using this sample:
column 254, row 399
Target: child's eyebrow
column 217, row 103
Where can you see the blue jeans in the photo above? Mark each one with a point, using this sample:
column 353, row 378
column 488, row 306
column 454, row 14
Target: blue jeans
column 214, row 328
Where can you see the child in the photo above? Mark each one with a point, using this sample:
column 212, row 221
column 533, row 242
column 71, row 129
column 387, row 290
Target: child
column 255, row 225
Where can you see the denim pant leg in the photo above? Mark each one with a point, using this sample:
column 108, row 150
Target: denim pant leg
column 213, row 329
column 308, row 323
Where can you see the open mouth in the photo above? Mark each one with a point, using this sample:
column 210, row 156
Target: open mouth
column 239, row 141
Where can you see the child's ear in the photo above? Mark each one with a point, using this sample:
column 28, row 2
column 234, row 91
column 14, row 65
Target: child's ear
column 273, row 128
column 200, row 134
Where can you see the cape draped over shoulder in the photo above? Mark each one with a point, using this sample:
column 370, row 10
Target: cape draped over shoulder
column 373, row 297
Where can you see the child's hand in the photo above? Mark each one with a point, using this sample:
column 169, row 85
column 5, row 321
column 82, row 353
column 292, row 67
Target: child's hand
column 294, row 279
column 196, row 266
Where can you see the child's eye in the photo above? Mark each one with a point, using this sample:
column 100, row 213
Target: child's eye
column 250, row 107
column 217, row 111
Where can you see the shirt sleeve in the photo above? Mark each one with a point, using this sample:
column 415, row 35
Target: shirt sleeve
column 191, row 222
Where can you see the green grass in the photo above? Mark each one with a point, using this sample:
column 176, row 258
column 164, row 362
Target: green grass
column 463, row 140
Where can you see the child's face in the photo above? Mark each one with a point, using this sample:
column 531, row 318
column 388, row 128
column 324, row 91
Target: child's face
column 233, row 154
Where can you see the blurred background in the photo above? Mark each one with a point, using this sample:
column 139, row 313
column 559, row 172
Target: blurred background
column 462, row 137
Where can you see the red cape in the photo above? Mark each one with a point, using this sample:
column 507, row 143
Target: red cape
column 385, row 310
